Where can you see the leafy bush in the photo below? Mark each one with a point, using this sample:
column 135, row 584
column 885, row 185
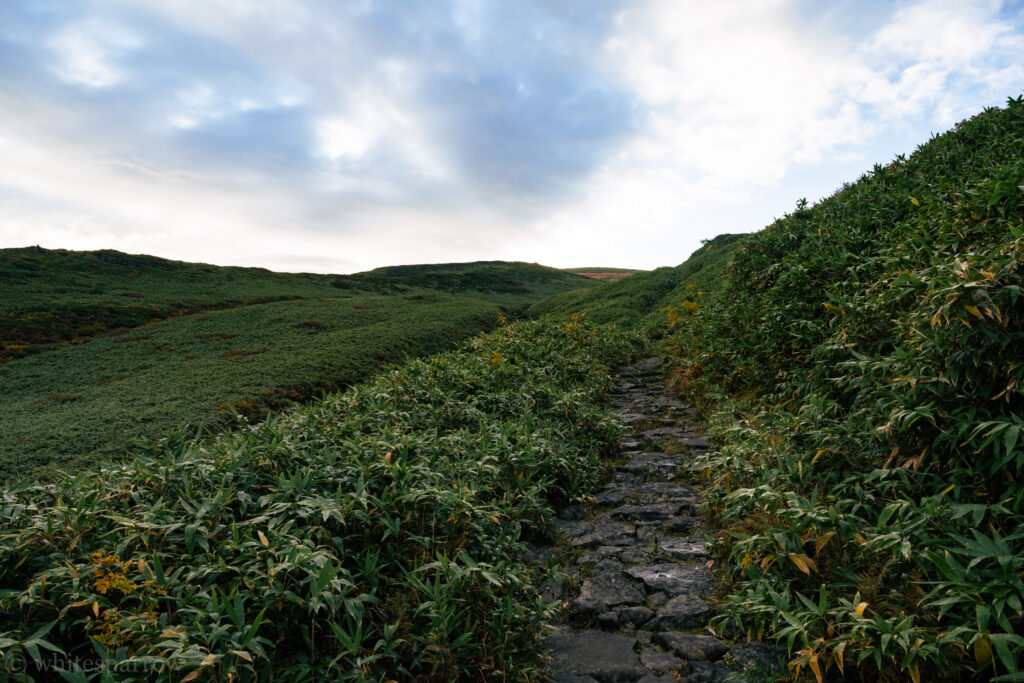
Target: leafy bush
column 69, row 408
column 378, row 532
column 864, row 361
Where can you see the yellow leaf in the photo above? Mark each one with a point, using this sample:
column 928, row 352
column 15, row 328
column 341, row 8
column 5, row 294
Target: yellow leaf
column 209, row 659
column 802, row 562
column 820, row 541
column 813, row 663
column 973, row 310
column 860, row 608
column 915, row 203
column 947, row 489
column 263, row 539
column 192, row 676
column 96, row 608
column 80, row 603
column 915, row 674
column 243, row 654
column 982, row 650
column 496, row 357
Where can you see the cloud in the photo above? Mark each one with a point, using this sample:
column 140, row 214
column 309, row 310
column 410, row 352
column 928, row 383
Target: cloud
column 375, row 132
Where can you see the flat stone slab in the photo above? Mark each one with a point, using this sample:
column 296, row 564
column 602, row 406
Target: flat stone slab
column 661, row 662
column 613, row 495
column 626, row 617
column 606, row 533
column 691, row 646
column 683, row 525
column 659, row 433
column 682, row 549
column 605, row 657
column 674, row 579
column 682, row 611
column 601, row 591
column 655, row 512
column 709, row 672
column 667, row 492
column 573, row 527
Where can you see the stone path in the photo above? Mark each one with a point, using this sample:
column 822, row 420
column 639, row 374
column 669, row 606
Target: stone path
column 638, row 588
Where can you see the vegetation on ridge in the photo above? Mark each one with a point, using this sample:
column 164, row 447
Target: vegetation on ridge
column 862, row 366
column 79, row 404
column 376, row 533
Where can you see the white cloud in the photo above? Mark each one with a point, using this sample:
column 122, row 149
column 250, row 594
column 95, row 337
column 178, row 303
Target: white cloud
column 89, row 53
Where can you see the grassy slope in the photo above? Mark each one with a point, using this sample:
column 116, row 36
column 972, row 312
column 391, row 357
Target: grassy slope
column 504, row 283
column 866, row 357
column 375, row 535
column 862, row 365
column 56, row 296
column 70, row 406
column 630, row 300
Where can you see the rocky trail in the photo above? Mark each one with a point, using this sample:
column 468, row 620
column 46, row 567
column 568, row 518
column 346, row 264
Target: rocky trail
column 638, row 588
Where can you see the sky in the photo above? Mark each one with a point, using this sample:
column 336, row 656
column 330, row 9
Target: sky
column 343, row 135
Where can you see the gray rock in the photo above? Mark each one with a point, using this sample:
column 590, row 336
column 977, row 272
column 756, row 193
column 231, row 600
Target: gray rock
column 573, row 528
column 627, row 617
column 651, row 678
column 605, row 657
column 656, row 512
column 573, row 512
column 691, row 646
column 659, row 433
column 606, row 532
column 629, row 443
column 604, row 552
column 661, row 663
column 602, row 591
column 682, row 549
column 562, row 677
column 635, row 555
column 667, row 492
column 613, row 495
column 657, row 599
column 608, row 565
column 697, row 443
column 708, row 672
column 674, row 579
column 682, row 611
column 746, row 655
column 683, row 525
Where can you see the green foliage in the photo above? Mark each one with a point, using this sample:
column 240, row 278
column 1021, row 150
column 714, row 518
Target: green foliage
column 641, row 298
column 375, row 534
column 69, row 407
column 55, row 296
column 501, row 282
column 862, row 359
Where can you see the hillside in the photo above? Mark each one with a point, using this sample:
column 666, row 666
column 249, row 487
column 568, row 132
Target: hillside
column 79, row 404
column 379, row 534
column 861, row 366
column 604, row 274
column 630, row 300
column 501, row 282
column 103, row 347
column 55, row 296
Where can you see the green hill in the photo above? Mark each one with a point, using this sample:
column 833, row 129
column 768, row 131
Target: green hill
column 55, row 296
column 861, row 365
column 501, row 282
column 104, row 347
column 631, row 300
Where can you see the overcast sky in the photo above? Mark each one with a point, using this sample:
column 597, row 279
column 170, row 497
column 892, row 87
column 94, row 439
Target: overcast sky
column 337, row 136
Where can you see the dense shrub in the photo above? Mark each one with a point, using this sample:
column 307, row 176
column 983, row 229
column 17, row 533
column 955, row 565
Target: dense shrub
column 376, row 533
column 865, row 361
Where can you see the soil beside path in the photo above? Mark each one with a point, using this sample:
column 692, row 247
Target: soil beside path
column 638, row 590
